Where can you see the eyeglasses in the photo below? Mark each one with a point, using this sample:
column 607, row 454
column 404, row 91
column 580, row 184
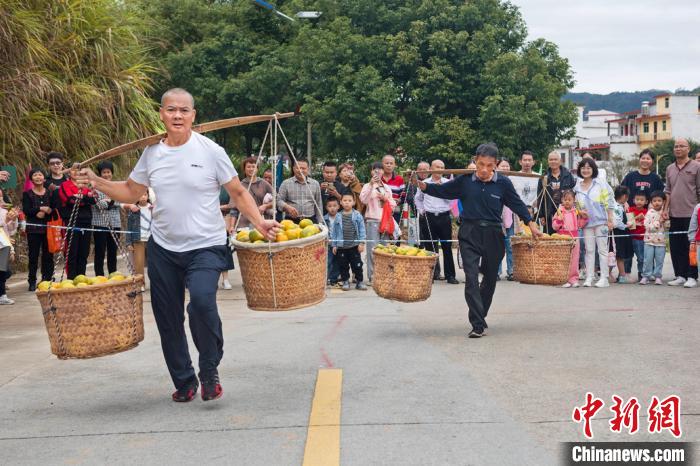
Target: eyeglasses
column 56, row 162
column 678, row 146
column 173, row 110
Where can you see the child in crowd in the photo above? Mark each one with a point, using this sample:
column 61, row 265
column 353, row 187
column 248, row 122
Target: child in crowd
column 694, row 231
column 568, row 221
column 654, row 240
column 348, row 242
column 139, row 226
column 332, row 271
column 8, row 227
column 637, row 212
column 621, row 235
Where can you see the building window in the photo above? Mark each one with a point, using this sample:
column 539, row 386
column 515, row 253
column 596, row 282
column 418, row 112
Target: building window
column 663, row 125
column 656, row 127
column 666, row 102
column 646, row 127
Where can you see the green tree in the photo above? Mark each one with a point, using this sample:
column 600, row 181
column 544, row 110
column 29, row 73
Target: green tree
column 525, row 109
column 434, row 77
column 73, row 77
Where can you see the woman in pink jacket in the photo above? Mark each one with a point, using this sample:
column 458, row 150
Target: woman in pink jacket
column 373, row 195
column 567, row 221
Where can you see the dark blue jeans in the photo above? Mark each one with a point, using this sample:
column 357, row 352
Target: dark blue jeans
column 332, row 270
column 170, row 274
column 638, row 248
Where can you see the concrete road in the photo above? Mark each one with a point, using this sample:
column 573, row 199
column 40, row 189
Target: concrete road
column 415, row 391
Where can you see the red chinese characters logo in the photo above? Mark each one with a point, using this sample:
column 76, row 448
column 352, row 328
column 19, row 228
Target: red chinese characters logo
column 586, row 412
column 625, row 416
column 663, row 415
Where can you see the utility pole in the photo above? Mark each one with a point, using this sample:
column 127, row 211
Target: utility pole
column 308, row 141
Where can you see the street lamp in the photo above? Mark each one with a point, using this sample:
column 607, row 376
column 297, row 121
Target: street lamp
column 657, row 162
column 300, row 15
column 308, row 14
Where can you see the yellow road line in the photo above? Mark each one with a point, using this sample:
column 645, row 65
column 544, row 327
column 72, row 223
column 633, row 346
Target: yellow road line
column 323, row 438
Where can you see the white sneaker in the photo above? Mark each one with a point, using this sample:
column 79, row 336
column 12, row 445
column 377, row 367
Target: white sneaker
column 644, row 281
column 574, row 285
column 227, row 285
column 658, row 282
column 5, row 300
column 602, row 283
column 690, row 283
column 677, row 282
column 588, row 283
column 566, row 285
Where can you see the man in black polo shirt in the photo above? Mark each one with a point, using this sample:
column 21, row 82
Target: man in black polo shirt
column 483, row 195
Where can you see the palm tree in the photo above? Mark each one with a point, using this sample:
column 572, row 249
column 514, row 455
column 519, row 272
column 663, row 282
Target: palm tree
column 73, row 78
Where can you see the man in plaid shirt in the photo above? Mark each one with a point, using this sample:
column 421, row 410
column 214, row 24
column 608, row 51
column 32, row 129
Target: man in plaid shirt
column 105, row 216
column 299, row 197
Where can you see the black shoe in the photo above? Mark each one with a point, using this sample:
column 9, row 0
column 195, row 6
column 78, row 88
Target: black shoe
column 476, row 334
column 452, row 281
column 438, row 277
column 211, row 388
column 510, row 277
column 32, row 287
column 186, row 393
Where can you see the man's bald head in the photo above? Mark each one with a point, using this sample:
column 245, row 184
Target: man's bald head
column 681, row 149
column 437, row 164
column 176, row 91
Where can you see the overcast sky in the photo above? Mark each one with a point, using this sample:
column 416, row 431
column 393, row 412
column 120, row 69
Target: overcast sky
column 624, row 45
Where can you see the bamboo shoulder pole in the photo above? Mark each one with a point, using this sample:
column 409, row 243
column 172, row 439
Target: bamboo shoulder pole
column 201, row 128
column 468, row 171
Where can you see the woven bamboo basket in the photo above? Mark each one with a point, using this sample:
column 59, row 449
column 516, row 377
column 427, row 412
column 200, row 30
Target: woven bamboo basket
column 284, row 276
column 94, row 321
column 402, row 278
column 542, row 262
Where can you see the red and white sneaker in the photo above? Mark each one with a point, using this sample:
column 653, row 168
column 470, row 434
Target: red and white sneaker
column 186, row 393
column 211, row 388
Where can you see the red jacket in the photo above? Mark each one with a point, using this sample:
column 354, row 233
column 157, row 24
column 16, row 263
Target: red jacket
column 638, row 233
column 66, row 194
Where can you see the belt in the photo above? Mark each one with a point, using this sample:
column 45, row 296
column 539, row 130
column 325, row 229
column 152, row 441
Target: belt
column 438, row 214
column 483, row 223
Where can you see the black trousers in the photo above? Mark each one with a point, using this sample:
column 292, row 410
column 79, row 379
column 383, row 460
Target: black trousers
column 680, row 248
column 485, row 244
column 439, row 229
column 4, row 275
column 78, row 253
column 38, row 244
column 347, row 259
column 104, row 242
column 170, row 274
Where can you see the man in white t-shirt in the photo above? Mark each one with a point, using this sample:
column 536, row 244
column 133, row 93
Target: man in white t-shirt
column 187, row 247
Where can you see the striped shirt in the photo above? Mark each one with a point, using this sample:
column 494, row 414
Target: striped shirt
column 105, row 213
column 349, row 233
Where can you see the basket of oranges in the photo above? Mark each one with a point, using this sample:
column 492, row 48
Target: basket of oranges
column 285, row 274
column 403, row 273
column 89, row 317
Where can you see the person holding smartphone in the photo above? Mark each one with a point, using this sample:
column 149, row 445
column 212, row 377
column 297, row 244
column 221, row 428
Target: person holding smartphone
column 373, row 195
column 351, row 184
column 331, row 187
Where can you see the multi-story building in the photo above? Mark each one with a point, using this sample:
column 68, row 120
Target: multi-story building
column 605, row 133
column 668, row 116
